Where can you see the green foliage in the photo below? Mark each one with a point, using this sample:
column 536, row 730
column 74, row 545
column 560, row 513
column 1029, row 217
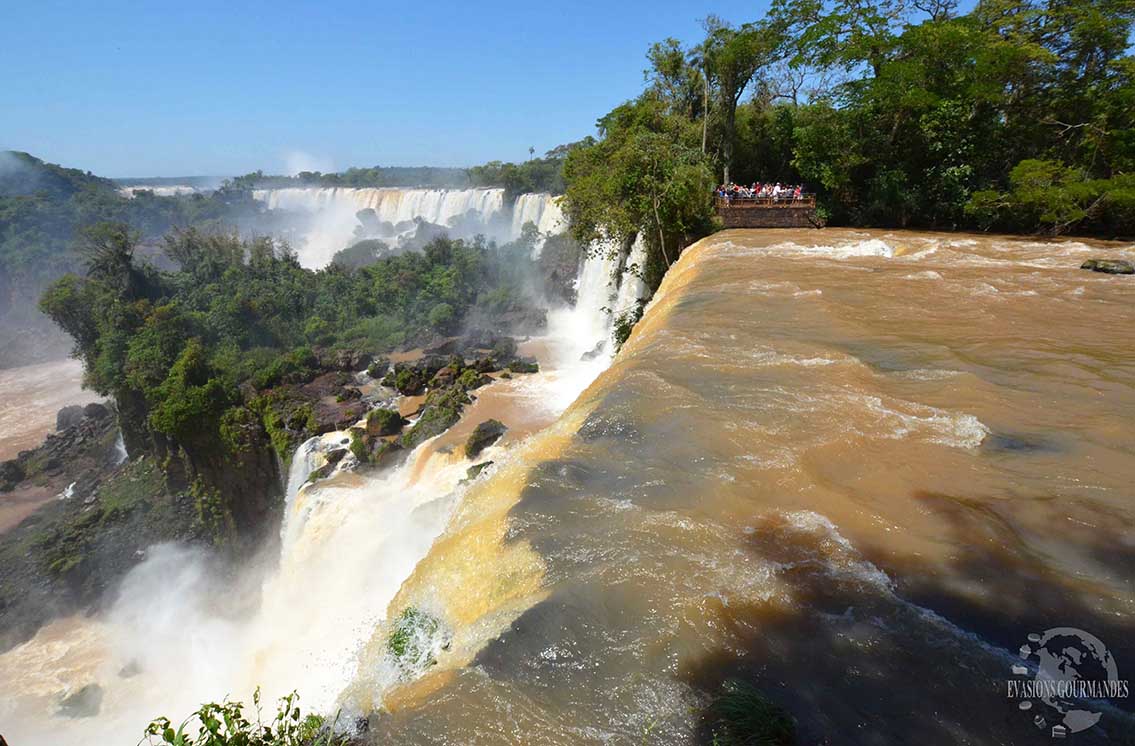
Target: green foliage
column 65, row 546
column 1013, row 116
column 410, row 638
column 358, row 446
column 625, row 323
column 226, row 724
column 535, row 175
column 441, row 410
column 384, row 422
column 441, row 317
column 1053, row 196
column 646, row 175
column 741, row 716
column 212, row 512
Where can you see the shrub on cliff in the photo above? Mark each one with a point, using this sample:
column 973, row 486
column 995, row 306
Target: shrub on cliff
column 227, row 724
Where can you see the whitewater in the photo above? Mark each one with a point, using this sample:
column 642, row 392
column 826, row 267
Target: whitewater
column 183, row 630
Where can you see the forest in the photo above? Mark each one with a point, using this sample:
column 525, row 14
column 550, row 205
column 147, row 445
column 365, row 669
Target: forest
column 1013, row 117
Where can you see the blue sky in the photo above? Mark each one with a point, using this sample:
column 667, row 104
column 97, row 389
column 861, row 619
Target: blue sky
column 200, row 87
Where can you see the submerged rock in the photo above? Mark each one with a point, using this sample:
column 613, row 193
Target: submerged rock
column 84, row 703
column 1110, row 266
column 487, row 433
column 387, row 453
column 475, row 470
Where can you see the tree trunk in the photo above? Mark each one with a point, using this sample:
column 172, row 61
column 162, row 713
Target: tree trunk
column 661, row 238
column 704, row 111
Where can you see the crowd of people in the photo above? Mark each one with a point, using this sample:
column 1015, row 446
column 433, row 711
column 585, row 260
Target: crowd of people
column 773, row 192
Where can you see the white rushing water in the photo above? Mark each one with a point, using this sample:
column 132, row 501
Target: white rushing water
column 332, row 214
column 332, row 221
column 184, row 631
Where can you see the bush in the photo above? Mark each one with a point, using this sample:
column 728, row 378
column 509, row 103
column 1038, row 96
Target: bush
column 441, row 316
column 225, row 724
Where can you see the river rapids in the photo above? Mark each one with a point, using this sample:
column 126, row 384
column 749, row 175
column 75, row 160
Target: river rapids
column 856, row 469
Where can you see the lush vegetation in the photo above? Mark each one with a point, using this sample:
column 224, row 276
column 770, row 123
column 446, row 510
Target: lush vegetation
column 193, row 356
column 1015, row 116
column 534, row 175
column 226, row 724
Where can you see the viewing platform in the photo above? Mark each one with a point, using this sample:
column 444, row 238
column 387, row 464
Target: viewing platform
column 767, row 212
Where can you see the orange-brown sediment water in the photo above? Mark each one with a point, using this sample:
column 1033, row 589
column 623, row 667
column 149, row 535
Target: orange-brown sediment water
column 855, row 469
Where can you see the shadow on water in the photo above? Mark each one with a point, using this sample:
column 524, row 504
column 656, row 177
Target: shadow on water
column 1019, row 593
column 858, row 663
column 855, row 656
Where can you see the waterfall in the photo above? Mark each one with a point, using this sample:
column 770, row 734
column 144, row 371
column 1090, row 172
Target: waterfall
column 333, row 212
column 631, row 285
column 332, row 215
column 120, row 452
column 543, row 211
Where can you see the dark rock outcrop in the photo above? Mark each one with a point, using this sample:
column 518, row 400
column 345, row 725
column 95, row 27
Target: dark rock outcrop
column 382, row 422
column 1110, row 266
column 68, row 416
column 475, row 470
column 524, row 365
column 441, row 411
column 484, row 435
column 11, row 473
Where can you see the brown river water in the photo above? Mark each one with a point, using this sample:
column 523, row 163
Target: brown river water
column 854, row 469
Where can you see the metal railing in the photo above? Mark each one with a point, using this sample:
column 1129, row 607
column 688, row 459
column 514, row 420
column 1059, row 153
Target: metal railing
column 804, row 200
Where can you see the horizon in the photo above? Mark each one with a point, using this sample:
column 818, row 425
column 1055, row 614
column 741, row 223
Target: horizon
column 212, row 90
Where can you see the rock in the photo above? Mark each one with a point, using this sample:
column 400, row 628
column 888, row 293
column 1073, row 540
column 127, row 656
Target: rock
column 334, row 457
column 448, row 347
column 321, row 473
column 68, row 416
column 442, row 409
column 378, row 368
column 130, row 670
column 470, row 379
column 1110, row 266
column 387, row 453
column 347, row 360
column 594, row 352
column 487, row 433
column 475, row 470
column 485, row 365
column 524, row 365
column 329, row 417
column 84, row 703
column 384, row 422
column 444, row 377
column 348, row 393
column 11, row 473
column 95, row 411
column 405, row 379
column 504, row 348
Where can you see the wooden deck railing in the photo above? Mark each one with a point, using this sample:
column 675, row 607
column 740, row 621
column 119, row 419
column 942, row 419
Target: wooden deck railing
column 804, row 200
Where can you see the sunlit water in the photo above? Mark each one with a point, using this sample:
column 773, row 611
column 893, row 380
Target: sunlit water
column 856, row 469
column 182, row 631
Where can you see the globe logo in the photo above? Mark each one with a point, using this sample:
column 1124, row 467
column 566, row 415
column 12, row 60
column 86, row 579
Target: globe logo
column 1072, row 672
